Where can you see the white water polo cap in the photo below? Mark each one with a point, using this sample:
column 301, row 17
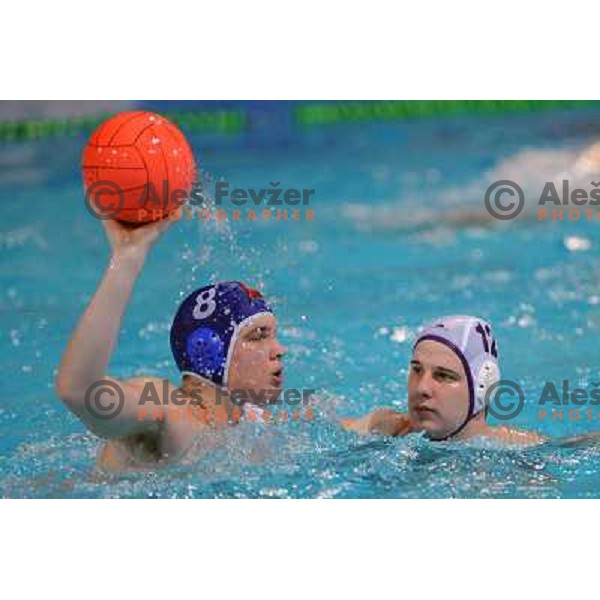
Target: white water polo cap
column 472, row 340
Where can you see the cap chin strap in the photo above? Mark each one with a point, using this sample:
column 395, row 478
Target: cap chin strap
column 488, row 373
column 457, row 431
column 236, row 332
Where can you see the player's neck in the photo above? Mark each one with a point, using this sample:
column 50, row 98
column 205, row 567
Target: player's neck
column 474, row 428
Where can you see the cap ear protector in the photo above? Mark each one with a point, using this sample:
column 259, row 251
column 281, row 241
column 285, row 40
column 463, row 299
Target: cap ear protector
column 489, row 373
column 472, row 340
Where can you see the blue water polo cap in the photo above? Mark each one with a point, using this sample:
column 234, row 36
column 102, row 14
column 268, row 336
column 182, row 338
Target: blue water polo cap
column 207, row 324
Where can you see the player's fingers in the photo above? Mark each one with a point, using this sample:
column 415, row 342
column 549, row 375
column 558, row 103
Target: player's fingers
column 168, row 221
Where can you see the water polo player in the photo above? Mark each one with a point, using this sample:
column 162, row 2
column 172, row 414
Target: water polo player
column 223, row 337
column 454, row 362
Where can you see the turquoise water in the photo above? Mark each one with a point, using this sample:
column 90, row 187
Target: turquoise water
column 350, row 290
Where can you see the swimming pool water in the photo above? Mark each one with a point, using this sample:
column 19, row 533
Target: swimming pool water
column 350, row 290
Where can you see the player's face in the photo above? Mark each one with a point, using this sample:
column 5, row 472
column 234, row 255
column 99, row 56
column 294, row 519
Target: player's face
column 256, row 363
column 438, row 392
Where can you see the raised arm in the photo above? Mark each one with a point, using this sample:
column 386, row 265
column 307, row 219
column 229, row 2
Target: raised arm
column 86, row 359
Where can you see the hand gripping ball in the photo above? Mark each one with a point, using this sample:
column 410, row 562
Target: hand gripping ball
column 137, row 167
